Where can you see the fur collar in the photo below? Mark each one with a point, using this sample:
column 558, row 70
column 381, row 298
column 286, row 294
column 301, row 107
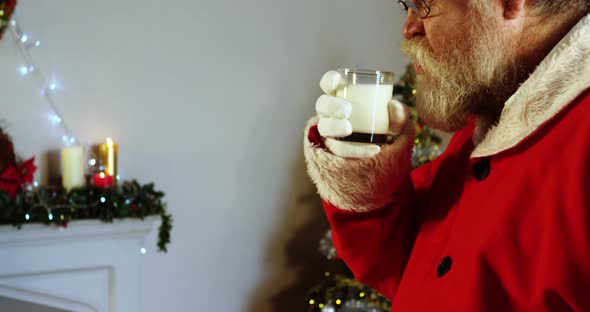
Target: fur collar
column 554, row 84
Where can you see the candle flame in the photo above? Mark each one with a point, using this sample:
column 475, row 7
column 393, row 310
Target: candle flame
column 109, row 142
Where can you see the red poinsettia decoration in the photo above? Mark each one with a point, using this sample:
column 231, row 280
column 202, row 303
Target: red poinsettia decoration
column 13, row 177
column 6, row 10
column 13, row 174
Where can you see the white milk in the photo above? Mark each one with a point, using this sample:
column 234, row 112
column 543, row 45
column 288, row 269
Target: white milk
column 369, row 107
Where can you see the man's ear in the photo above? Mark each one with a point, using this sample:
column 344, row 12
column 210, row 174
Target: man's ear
column 513, row 8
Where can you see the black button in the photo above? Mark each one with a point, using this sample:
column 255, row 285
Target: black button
column 481, row 170
column 444, row 266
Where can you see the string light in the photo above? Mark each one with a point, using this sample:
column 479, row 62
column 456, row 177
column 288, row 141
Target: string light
column 27, row 217
column 68, row 140
column 23, row 70
column 25, row 42
column 103, row 200
column 55, row 119
column 338, row 301
column 50, row 216
column 143, row 250
column 311, row 301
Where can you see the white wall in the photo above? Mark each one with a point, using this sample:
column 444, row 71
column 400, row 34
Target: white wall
column 208, row 99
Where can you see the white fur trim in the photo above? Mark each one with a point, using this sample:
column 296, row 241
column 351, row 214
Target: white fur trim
column 555, row 83
column 360, row 184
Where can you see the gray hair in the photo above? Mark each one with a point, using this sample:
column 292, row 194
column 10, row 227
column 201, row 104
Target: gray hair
column 544, row 7
column 556, row 7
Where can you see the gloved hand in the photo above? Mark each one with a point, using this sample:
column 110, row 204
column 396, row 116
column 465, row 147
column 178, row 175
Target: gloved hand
column 333, row 113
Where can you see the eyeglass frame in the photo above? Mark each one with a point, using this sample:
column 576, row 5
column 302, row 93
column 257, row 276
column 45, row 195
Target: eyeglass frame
column 405, row 5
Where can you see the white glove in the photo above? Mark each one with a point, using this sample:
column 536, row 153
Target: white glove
column 333, row 113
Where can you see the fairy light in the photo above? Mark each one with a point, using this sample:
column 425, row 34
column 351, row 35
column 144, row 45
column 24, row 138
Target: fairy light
column 25, row 42
column 23, row 70
column 143, row 250
column 50, row 217
column 27, row 217
column 55, row 119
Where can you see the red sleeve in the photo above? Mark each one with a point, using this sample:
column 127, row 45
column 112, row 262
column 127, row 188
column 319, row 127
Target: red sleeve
column 376, row 245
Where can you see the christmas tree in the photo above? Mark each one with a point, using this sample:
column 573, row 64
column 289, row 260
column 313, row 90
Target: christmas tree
column 339, row 291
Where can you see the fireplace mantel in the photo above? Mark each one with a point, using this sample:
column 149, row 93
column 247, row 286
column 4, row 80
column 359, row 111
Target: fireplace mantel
column 88, row 266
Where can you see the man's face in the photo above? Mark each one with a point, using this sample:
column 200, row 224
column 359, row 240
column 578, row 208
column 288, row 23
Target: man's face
column 462, row 63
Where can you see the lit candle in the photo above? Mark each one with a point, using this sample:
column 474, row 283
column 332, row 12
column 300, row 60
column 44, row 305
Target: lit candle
column 103, row 180
column 72, row 167
column 108, row 157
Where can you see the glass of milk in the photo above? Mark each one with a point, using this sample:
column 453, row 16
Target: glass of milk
column 369, row 91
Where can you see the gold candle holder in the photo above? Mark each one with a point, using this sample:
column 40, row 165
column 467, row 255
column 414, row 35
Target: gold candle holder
column 107, row 157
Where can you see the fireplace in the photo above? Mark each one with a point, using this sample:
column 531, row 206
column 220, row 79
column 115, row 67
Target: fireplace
column 90, row 266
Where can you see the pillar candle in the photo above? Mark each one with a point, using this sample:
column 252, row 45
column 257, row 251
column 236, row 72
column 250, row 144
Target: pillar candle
column 72, row 167
column 102, row 180
column 108, row 157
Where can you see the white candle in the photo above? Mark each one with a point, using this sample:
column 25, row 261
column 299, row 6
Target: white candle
column 72, row 167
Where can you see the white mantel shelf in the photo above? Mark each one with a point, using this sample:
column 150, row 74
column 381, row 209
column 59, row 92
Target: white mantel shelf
column 88, row 266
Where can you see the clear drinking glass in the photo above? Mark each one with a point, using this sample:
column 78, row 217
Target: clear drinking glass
column 369, row 91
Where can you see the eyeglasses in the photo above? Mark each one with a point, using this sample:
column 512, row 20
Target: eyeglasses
column 421, row 7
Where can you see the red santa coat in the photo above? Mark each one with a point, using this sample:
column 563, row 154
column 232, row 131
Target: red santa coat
column 500, row 226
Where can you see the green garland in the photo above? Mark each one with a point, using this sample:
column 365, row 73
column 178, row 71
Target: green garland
column 56, row 206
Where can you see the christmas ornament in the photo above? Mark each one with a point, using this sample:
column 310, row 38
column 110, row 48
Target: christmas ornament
column 327, row 246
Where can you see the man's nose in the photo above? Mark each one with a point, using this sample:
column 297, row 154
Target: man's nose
column 413, row 26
